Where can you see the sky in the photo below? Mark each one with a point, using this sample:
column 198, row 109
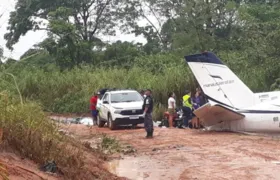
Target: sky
column 31, row 38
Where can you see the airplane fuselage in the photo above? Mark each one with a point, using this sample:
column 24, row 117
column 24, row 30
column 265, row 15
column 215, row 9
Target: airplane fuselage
column 263, row 117
column 232, row 105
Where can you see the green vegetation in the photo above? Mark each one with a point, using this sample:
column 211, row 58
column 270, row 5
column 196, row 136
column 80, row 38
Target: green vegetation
column 109, row 144
column 3, row 172
column 69, row 91
column 28, row 131
column 61, row 73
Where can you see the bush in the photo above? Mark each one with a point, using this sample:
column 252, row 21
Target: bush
column 27, row 130
column 110, row 144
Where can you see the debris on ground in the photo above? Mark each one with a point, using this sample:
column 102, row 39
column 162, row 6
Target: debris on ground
column 49, row 167
column 23, row 169
column 128, row 150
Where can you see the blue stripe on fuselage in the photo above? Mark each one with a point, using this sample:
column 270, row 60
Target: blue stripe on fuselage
column 243, row 110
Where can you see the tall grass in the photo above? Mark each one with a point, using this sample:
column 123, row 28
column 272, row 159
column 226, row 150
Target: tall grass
column 3, row 172
column 28, row 131
column 70, row 91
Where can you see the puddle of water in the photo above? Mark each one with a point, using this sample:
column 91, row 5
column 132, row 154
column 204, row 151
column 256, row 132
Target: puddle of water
column 145, row 168
column 128, row 167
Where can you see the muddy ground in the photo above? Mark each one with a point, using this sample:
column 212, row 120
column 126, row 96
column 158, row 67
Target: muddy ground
column 182, row 154
column 23, row 169
column 178, row 154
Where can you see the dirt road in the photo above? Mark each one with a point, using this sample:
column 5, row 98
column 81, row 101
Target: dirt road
column 192, row 154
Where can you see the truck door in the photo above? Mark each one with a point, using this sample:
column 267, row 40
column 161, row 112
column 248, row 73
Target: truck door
column 104, row 106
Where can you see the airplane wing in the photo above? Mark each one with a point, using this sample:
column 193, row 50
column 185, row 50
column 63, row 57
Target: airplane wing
column 212, row 115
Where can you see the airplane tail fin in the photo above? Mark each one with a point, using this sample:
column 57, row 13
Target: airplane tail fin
column 218, row 82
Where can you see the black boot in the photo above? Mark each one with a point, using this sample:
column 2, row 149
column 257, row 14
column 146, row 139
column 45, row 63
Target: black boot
column 150, row 134
column 147, row 136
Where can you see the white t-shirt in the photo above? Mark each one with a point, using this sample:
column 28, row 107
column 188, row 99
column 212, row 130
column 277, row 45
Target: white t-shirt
column 170, row 101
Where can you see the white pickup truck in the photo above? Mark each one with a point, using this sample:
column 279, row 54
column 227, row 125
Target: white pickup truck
column 120, row 107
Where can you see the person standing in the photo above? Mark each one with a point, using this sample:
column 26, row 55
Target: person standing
column 187, row 108
column 202, row 97
column 171, row 108
column 93, row 104
column 196, row 99
column 147, row 113
column 142, row 92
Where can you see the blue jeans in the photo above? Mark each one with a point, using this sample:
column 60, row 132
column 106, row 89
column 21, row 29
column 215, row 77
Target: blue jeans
column 94, row 113
column 187, row 115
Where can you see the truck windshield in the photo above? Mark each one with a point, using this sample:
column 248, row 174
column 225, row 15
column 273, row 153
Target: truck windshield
column 126, row 97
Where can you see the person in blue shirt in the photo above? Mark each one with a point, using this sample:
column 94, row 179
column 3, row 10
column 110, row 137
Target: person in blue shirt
column 197, row 101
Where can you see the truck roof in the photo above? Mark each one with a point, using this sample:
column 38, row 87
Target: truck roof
column 121, row 91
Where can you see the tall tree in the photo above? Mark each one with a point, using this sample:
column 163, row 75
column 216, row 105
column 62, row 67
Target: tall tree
column 122, row 53
column 145, row 11
column 195, row 24
column 261, row 39
column 200, row 22
column 73, row 25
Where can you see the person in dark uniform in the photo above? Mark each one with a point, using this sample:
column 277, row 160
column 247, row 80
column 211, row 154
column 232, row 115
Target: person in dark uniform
column 147, row 110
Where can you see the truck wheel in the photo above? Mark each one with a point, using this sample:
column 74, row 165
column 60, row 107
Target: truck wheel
column 111, row 123
column 99, row 122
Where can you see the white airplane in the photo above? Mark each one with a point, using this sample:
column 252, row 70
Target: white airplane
column 231, row 104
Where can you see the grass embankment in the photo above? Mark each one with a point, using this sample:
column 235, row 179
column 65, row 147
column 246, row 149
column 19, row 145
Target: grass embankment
column 27, row 131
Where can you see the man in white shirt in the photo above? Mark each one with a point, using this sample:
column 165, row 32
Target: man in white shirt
column 171, row 108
